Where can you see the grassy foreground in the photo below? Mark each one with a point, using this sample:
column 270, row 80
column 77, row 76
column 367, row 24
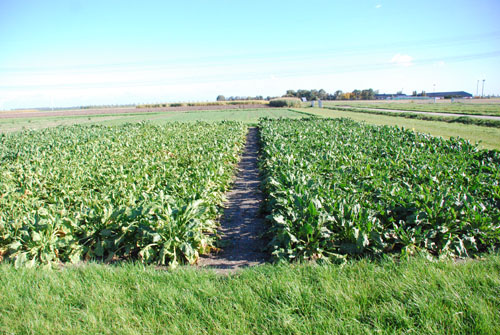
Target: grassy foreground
column 362, row 297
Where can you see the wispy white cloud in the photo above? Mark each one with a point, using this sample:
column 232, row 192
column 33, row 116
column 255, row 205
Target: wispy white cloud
column 378, row 6
column 402, row 60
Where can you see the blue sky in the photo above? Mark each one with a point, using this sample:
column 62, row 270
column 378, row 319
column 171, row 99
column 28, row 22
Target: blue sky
column 69, row 53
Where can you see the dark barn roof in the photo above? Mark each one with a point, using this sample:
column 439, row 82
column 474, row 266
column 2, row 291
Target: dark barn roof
column 461, row 94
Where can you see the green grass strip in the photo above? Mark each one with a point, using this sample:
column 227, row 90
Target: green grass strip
column 426, row 117
column 416, row 296
column 309, row 115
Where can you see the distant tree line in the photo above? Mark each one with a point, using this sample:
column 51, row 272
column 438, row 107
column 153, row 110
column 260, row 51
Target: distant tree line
column 238, row 98
column 422, row 94
column 367, row 94
column 321, row 94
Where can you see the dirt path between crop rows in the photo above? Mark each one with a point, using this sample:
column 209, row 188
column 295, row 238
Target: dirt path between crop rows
column 242, row 224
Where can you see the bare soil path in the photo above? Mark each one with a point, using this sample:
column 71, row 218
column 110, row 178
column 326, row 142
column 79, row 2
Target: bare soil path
column 242, row 223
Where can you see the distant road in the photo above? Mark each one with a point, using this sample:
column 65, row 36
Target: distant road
column 126, row 110
column 489, row 117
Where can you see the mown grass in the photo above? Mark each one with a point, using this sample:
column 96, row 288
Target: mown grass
column 362, row 297
column 426, row 117
column 476, row 108
column 488, row 138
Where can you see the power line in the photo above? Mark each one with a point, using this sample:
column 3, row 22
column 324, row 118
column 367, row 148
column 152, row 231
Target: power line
column 290, row 54
column 251, row 74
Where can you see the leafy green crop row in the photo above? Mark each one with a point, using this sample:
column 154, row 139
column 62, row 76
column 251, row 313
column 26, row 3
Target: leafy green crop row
column 150, row 192
column 337, row 188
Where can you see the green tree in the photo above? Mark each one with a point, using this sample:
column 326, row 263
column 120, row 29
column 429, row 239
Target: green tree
column 322, row 94
column 338, row 95
column 221, row 98
column 368, row 94
column 356, row 95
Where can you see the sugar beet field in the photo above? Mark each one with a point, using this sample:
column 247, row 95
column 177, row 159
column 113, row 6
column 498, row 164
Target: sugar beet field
column 334, row 189
column 338, row 188
column 368, row 229
column 135, row 191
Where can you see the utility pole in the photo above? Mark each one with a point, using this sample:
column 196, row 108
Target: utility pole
column 477, row 88
column 482, row 92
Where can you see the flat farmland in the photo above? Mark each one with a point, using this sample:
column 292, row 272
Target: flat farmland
column 115, row 204
column 123, row 110
column 471, row 107
column 19, row 120
column 163, row 170
column 134, row 175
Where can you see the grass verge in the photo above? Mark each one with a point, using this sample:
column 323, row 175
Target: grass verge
column 477, row 107
column 427, row 117
column 361, row 297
